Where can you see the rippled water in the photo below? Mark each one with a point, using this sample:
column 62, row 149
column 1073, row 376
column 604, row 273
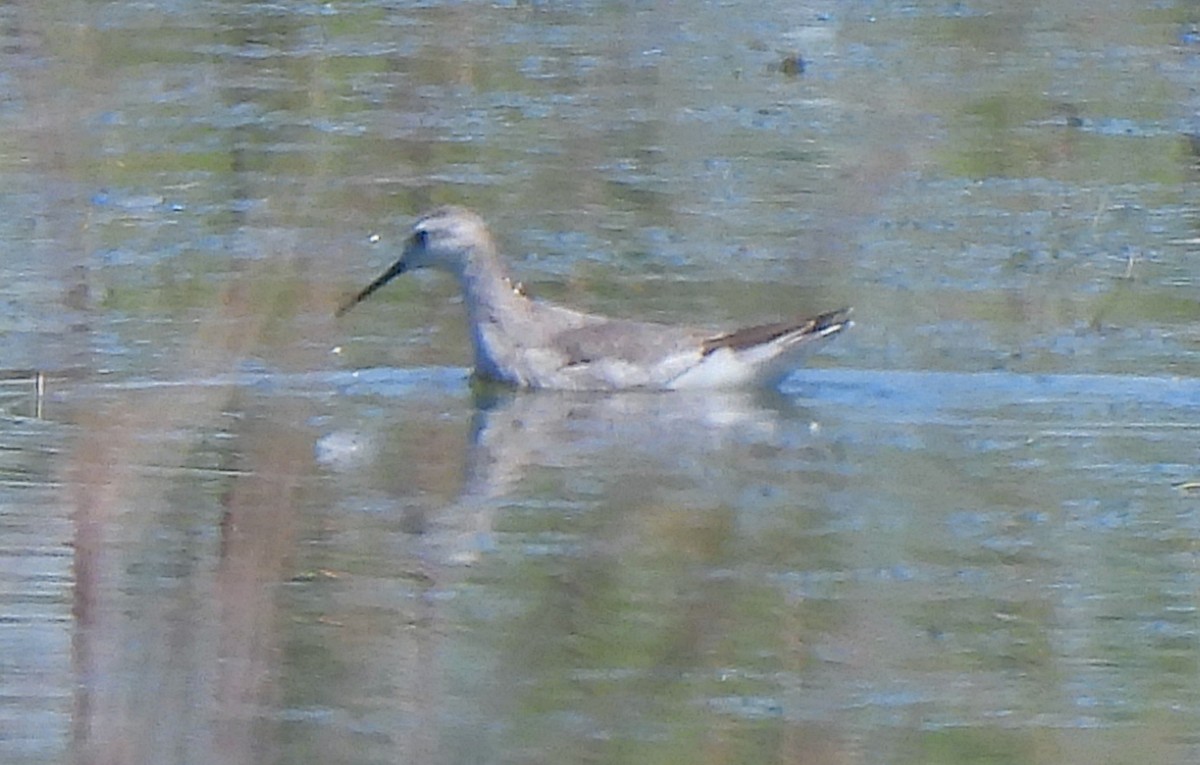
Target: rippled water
column 234, row 529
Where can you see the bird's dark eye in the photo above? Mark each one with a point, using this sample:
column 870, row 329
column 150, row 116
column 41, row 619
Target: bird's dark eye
column 420, row 237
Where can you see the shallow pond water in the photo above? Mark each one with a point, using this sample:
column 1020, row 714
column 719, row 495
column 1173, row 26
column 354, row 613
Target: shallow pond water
column 234, row 529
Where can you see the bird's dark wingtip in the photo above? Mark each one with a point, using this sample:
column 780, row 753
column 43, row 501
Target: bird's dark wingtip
column 821, row 325
column 833, row 321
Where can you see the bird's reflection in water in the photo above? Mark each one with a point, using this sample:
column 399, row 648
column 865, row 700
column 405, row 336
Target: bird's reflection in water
column 634, row 444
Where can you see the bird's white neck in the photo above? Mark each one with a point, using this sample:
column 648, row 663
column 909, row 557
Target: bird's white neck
column 493, row 301
column 486, row 285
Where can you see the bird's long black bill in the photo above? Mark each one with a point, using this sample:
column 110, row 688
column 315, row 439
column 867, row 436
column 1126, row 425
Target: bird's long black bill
column 396, row 269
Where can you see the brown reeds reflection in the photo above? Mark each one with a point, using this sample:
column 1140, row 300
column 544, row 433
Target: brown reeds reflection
column 180, row 549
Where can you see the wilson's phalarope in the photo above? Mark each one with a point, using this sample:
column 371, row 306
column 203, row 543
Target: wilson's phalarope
column 538, row 345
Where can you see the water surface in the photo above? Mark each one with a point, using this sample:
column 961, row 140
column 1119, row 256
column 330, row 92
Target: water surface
column 233, row 529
